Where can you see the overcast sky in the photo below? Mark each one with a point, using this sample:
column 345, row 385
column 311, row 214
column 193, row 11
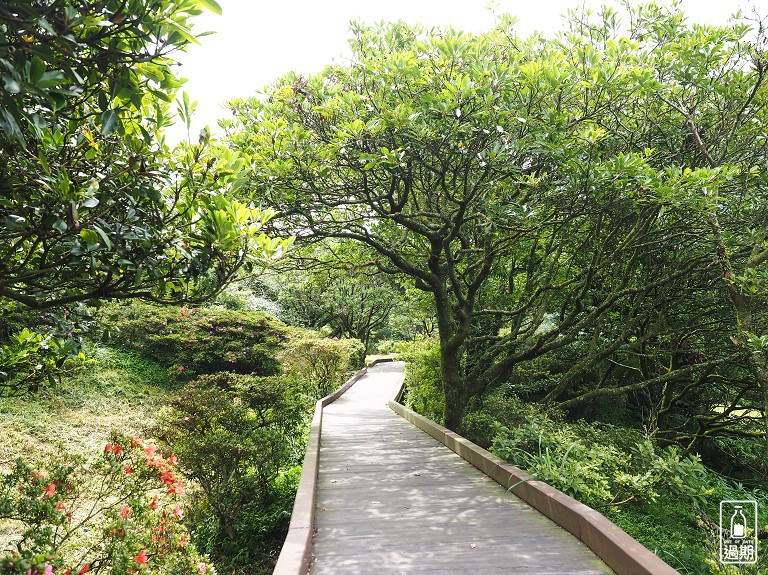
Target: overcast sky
column 257, row 41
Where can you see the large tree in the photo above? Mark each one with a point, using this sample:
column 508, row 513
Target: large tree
column 93, row 204
column 551, row 195
column 330, row 286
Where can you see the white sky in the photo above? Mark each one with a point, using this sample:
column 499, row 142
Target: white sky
column 257, row 41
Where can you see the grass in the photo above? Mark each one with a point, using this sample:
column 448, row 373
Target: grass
column 670, row 529
column 119, row 390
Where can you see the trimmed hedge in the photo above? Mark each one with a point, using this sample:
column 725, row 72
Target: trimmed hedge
column 199, row 341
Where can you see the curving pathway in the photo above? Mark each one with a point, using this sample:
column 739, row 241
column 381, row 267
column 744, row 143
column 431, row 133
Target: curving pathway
column 391, row 499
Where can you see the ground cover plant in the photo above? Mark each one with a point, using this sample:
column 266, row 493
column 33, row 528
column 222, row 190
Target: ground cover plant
column 237, row 439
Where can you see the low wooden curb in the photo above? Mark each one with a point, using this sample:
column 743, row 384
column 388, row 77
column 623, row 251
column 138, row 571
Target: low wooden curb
column 622, row 553
column 296, row 553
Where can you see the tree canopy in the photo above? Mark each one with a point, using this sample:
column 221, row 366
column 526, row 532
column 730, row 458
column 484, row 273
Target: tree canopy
column 93, row 203
column 581, row 198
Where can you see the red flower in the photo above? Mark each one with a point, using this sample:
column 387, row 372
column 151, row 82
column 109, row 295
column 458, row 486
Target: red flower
column 125, row 512
column 108, row 447
column 173, row 460
column 60, row 506
column 178, row 511
column 153, row 505
column 168, row 477
column 84, row 569
column 149, row 450
column 128, row 469
column 141, row 557
column 181, row 368
column 49, row 491
column 177, row 489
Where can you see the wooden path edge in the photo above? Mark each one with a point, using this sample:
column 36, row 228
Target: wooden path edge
column 296, row 553
column 621, row 552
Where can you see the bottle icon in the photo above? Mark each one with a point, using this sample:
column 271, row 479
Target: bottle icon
column 738, row 524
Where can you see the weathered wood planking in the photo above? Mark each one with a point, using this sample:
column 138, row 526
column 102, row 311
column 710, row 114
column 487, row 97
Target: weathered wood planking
column 390, row 499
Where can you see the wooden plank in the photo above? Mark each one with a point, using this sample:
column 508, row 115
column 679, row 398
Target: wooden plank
column 391, row 499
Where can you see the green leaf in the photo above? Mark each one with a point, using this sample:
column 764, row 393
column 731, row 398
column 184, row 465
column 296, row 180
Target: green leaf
column 89, row 236
column 8, row 124
column 10, row 85
column 50, row 79
column 14, row 222
column 212, row 5
column 108, row 122
column 104, row 236
column 183, row 31
column 36, row 70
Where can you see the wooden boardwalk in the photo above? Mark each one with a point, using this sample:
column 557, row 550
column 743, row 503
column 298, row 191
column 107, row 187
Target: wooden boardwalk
column 390, row 499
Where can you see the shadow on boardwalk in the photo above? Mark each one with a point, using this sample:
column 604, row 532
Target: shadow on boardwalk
column 390, row 499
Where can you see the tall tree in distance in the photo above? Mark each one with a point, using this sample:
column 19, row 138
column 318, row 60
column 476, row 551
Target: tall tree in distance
column 330, row 285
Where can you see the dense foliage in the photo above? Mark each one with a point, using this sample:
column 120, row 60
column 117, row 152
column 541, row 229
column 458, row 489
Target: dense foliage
column 324, row 362
column 664, row 498
column 235, row 436
column 235, row 423
column 193, row 341
column 93, row 204
column 596, row 198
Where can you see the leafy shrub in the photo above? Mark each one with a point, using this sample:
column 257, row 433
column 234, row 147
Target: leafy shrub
column 199, row 341
column 423, row 381
column 508, row 409
column 116, row 513
column 38, row 348
column 598, row 473
column 324, row 362
column 670, row 528
column 238, row 299
column 261, row 529
column 478, row 427
column 236, row 434
column 385, row 346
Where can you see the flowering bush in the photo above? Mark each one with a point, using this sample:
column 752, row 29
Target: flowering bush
column 118, row 514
